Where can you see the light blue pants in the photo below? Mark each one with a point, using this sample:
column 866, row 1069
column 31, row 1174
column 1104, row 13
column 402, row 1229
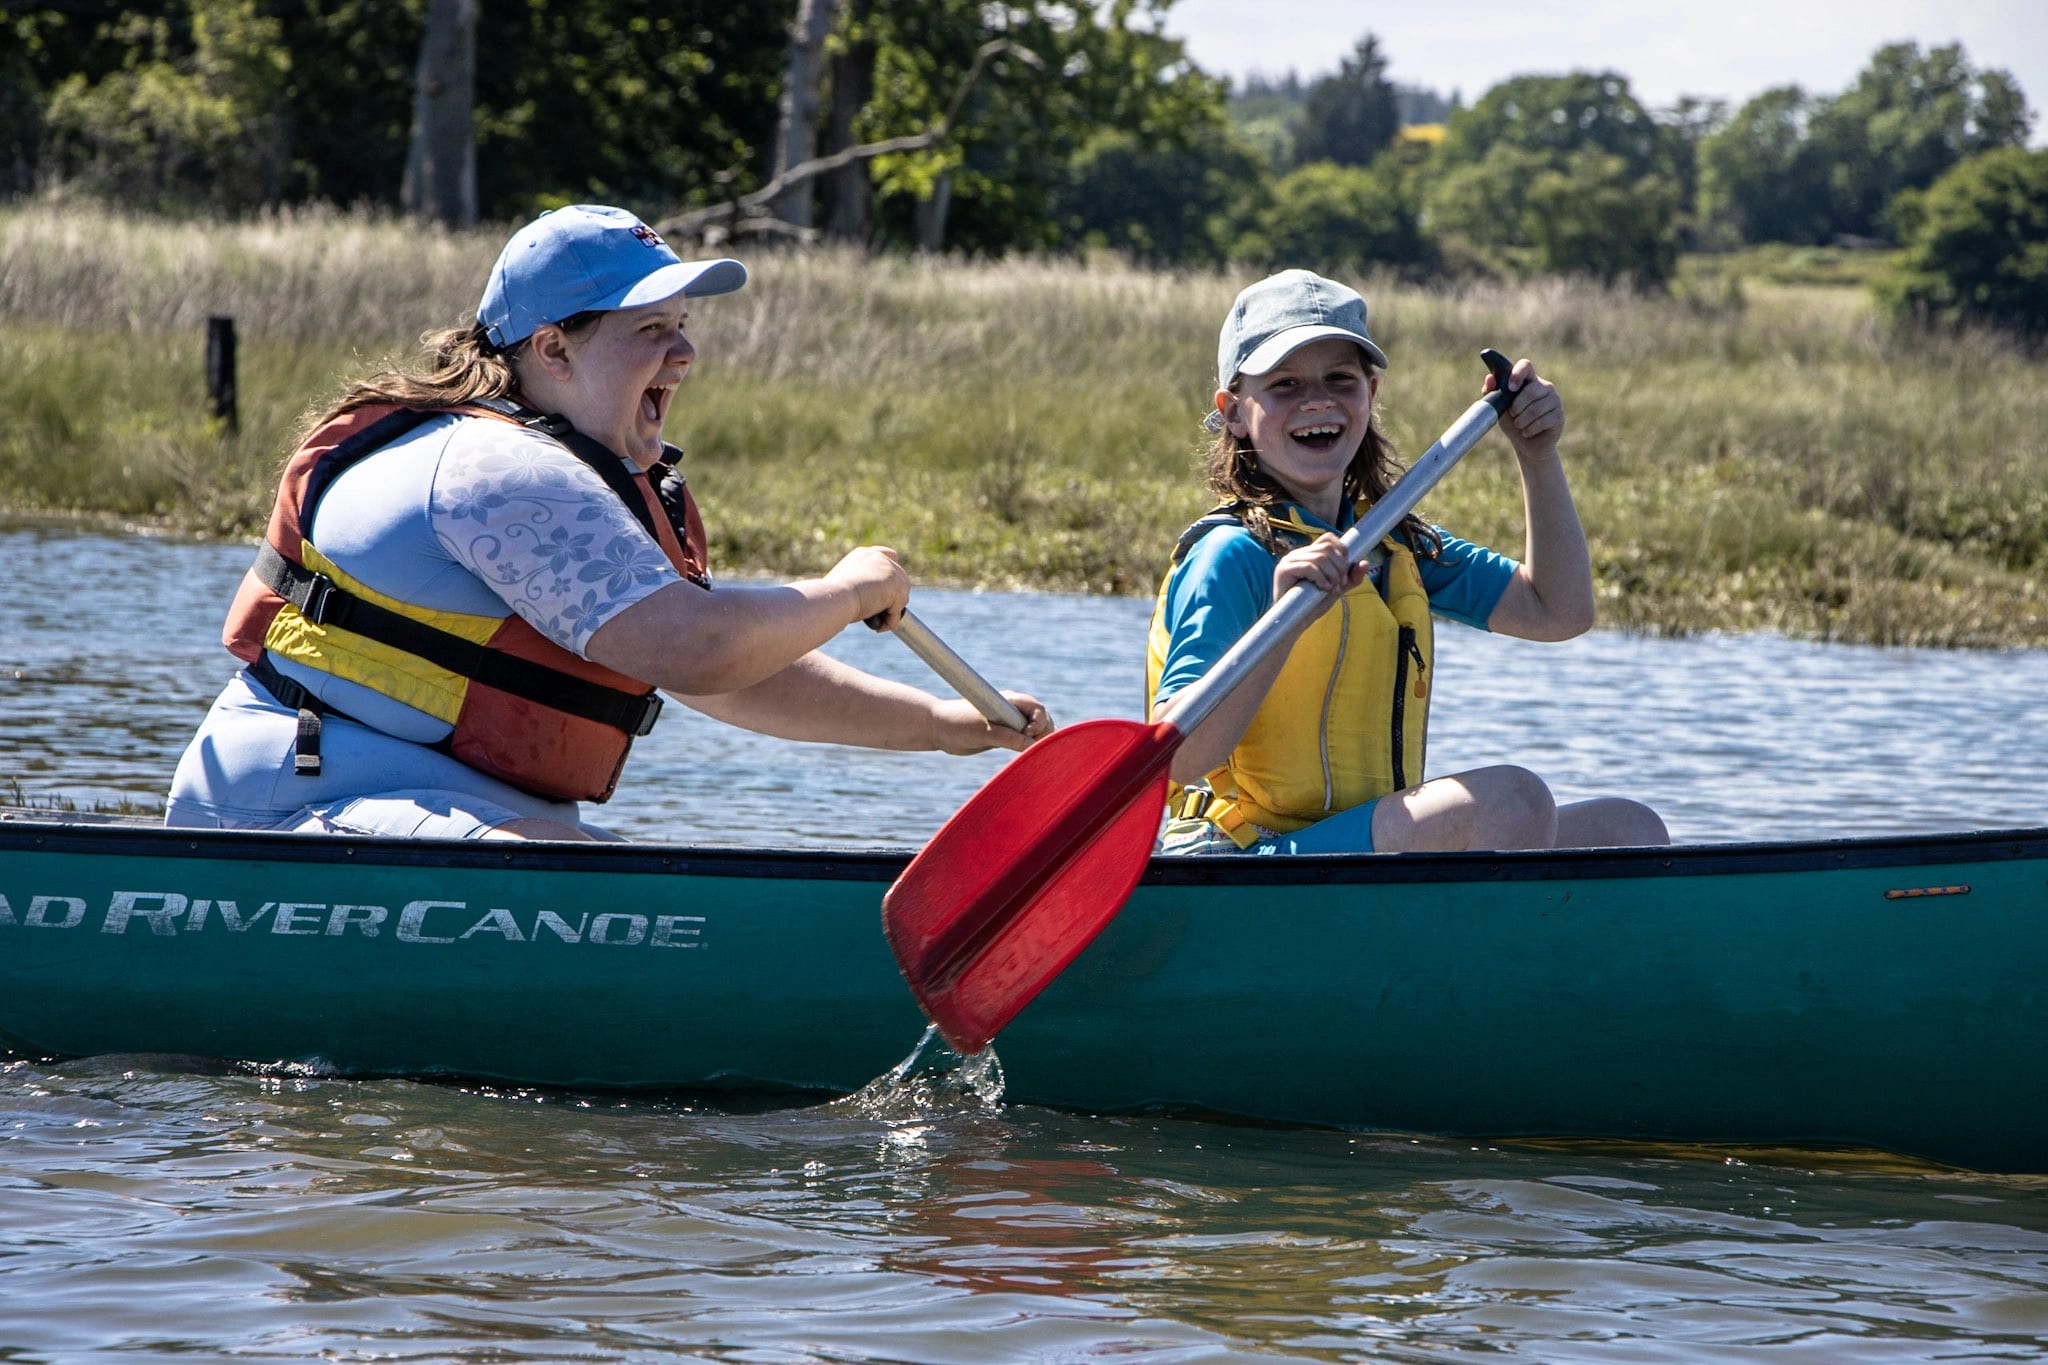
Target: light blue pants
column 237, row 774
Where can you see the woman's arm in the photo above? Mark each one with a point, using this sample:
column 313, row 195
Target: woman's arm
column 698, row 642
column 1551, row 595
column 820, row 699
column 542, row 531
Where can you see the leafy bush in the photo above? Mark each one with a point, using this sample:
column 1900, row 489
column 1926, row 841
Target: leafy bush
column 1156, row 204
column 1337, row 218
column 1978, row 245
column 175, row 127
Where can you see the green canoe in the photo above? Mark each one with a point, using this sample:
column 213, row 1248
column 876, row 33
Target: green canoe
column 1884, row 992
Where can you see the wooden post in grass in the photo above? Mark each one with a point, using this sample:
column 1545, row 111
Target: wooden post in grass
column 220, row 372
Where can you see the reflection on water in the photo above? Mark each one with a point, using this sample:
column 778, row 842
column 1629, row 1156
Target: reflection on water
column 306, row 1217
column 161, row 1207
column 109, row 656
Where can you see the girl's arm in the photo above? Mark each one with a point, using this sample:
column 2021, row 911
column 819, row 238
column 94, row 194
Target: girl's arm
column 1320, row 562
column 821, row 699
column 1551, row 595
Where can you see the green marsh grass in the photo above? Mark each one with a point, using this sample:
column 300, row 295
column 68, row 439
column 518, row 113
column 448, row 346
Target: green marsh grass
column 1756, row 451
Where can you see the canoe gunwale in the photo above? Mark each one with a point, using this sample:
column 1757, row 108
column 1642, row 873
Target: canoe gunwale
column 60, row 832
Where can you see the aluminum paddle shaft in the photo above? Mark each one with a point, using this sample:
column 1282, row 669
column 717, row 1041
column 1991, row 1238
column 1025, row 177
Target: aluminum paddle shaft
column 1303, row 600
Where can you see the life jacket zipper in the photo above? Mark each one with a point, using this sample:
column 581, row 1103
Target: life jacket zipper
column 1407, row 649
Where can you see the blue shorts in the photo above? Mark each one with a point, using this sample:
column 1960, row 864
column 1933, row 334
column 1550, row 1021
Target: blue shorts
column 1348, row 831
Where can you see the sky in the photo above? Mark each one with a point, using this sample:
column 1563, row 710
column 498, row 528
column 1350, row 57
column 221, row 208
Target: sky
column 1719, row 49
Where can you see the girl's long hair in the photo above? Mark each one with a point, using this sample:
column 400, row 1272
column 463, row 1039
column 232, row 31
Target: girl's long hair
column 1232, row 471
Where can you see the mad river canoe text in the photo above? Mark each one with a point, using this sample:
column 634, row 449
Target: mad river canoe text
column 169, row 913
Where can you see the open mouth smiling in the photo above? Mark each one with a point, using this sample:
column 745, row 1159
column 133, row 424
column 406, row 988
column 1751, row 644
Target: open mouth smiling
column 1321, row 436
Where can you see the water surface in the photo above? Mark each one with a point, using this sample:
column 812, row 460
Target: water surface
column 174, row 1208
column 110, row 654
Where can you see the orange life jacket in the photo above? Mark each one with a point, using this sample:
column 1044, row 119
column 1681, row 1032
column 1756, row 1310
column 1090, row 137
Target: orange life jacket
column 523, row 709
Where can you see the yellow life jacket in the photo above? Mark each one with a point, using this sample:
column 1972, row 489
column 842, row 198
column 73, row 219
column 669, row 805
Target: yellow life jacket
column 1346, row 719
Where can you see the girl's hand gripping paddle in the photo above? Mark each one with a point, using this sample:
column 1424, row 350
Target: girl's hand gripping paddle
column 1029, row 871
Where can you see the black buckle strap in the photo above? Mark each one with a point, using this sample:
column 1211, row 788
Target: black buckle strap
column 313, row 598
column 306, row 748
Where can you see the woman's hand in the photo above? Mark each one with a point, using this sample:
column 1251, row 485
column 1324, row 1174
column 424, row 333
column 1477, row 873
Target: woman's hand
column 878, row 581
column 960, row 729
column 1534, row 421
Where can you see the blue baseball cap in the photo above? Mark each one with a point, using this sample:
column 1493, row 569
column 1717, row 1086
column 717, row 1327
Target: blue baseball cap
column 589, row 258
column 1276, row 317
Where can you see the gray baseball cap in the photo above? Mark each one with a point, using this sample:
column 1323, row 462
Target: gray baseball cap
column 1282, row 313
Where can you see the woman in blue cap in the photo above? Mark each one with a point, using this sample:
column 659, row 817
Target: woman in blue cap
column 479, row 575
column 1321, row 749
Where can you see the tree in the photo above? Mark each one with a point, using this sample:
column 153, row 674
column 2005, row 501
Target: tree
column 1558, row 115
column 743, row 214
column 1906, row 120
column 1593, row 217
column 191, row 117
column 440, row 167
column 848, row 199
column 796, row 129
column 1337, row 218
column 619, row 102
column 1763, row 177
column 21, row 121
column 1571, row 168
column 1004, row 180
column 1266, row 114
column 1978, row 246
column 361, row 56
column 612, row 101
column 1688, row 124
column 1350, row 117
column 1160, row 205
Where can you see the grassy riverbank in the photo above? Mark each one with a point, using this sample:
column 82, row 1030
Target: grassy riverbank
column 1756, row 454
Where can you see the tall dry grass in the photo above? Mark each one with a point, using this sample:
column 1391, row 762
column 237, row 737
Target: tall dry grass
column 1755, row 454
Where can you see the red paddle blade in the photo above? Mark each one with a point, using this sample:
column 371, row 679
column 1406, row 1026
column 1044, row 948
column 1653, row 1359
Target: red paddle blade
column 1027, row 873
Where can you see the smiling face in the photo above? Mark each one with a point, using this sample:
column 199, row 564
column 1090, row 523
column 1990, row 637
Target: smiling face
column 1306, row 417
column 616, row 379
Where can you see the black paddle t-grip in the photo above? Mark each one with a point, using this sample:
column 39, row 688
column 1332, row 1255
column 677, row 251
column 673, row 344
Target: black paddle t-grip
column 1502, row 368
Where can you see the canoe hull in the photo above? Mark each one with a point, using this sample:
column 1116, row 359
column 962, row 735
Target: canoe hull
column 1889, row 993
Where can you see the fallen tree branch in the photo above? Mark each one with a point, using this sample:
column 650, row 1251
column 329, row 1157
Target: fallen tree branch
column 746, row 212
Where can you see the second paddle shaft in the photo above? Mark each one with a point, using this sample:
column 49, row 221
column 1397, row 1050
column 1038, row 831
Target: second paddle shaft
column 993, row 705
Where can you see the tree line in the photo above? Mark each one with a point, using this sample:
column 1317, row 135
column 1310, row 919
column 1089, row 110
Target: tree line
column 1031, row 126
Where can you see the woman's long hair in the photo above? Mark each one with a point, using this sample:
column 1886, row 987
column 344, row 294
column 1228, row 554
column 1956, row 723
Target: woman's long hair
column 1232, row 471
column 457, row 365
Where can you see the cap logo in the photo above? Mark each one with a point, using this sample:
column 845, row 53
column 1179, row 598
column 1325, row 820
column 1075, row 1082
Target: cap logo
column 647, row 235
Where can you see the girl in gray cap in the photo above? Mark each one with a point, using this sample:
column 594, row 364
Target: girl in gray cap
column 479, row 576
column 1321, row 749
